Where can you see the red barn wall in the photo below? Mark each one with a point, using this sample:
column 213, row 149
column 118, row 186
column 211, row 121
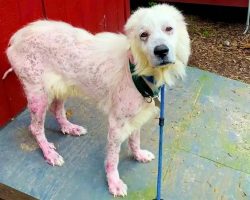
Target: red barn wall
column 234, row 3
column 93, row 15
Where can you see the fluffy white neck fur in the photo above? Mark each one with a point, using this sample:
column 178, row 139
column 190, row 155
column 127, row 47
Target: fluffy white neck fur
column 165, row 74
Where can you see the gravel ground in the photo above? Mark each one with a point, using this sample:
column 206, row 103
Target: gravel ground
column 218, row 42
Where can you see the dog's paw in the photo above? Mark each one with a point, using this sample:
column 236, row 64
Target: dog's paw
column 144, row 156
column 52, row 157
column 73, row 129
column 117, row 187
column 50, row 154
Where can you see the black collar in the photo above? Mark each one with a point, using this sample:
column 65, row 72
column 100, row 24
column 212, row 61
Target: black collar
column 141, row 84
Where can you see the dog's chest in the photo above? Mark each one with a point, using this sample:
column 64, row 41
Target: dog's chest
column 127, row 99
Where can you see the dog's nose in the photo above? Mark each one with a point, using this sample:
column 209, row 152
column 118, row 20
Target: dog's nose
column 161, row 50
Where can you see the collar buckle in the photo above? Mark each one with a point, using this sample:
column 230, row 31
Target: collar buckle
column 148, row 99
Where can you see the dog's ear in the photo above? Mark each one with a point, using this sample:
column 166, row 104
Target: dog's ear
column 183, row 49
column 133, row 22
column 129, row 27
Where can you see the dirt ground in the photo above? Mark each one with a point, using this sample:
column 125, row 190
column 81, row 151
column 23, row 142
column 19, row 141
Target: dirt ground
column 218, row 42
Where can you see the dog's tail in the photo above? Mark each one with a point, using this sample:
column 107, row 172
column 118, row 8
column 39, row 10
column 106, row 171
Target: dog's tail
column 6, row 73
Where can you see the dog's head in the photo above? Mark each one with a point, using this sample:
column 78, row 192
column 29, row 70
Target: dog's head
column 159, row 42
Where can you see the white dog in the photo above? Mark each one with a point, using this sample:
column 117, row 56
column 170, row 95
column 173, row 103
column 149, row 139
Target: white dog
column 54, row 60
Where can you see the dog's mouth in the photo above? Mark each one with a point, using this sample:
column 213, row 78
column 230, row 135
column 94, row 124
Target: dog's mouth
column 164, row 63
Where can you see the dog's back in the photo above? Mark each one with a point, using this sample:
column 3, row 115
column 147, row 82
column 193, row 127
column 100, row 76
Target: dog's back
column 57, row 57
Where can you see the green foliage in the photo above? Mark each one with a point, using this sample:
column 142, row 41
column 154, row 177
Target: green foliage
column 206, row 33
column 152, row 2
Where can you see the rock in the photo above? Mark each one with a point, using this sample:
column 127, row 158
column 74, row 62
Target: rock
column 226, row 43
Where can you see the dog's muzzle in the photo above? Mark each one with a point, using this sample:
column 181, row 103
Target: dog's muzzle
column 161, row 52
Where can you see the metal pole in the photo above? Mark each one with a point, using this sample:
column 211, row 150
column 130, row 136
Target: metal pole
column 248, row 16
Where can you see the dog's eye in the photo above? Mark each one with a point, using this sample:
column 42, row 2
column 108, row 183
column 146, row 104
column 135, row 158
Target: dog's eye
column 168, row 29
column 144, row 35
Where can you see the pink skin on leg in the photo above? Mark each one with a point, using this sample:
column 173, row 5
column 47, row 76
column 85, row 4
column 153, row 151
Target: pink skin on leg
column 116, row 186
column 126, row 103
column 138, row 153
column 57, row 107
column 38, row 106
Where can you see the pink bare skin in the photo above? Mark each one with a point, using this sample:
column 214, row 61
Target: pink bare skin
column 57, row 108
column 116, row 186
column 125, row 105
column 37, row 106
column 88, row 63
column 138, row 153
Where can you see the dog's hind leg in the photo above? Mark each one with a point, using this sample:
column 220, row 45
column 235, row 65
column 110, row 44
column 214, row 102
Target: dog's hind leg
column 57, row 108
column 38, row 104
column 138, row 153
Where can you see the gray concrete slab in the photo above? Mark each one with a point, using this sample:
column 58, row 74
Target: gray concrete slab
column 206, row 148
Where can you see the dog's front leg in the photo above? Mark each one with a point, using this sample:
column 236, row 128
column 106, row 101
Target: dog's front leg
column 116, row 186
column 139, row 154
